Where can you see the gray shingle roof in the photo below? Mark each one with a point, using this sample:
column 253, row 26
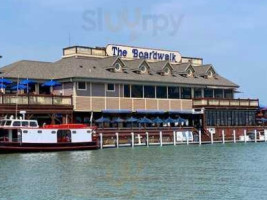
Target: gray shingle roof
column 96, row 68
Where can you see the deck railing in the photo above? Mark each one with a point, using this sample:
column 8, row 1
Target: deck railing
column 206, row 102
column 32, row 99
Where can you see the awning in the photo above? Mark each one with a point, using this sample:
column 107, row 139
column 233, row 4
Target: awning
column 140, row 111
column 116, row 111
column 181, row 112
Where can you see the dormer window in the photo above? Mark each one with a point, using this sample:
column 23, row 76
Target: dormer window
column 143, row 69
column 117, row 67
column 210, row 74
column 167, row 71
column 189, row 72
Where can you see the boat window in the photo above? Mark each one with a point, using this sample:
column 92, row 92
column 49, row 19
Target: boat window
column 74, row 132
column 24, row 123
column 33, row 124
column 53, row 132
column 25, row 131
column 8, row 122
column 2, row 123
column 16, row 123
column 39, row 131
column 88, row 131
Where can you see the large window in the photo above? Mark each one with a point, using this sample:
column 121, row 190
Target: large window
column 137, row 91
column 197, row 93
column 149, row 91
column 161, row 92
column 230, row 117
column 208, row 93
column 126, row 90
column 228, row 94
column 173, row 93
column 186, row 93
column 218, row 93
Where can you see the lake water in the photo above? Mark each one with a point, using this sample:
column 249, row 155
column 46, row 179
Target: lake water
column 230, row 171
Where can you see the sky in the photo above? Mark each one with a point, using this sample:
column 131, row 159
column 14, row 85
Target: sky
column 230, row 35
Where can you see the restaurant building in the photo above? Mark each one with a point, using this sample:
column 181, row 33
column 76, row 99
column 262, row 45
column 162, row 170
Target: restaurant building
column 128, row 81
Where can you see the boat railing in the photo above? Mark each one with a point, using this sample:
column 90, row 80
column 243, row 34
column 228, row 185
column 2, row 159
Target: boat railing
column 35, row 99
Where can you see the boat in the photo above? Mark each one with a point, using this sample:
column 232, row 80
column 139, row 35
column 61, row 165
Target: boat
column 21, row 135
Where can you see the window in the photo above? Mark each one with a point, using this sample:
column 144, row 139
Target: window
column 210, row 74
column 126, row 89
column 25, row 123
column 149, row 91
column 218, row 93
column 25, row 131
column 82, row 86
column 166, row 71
column 111, row 87
column 117, row 67
column 186, row 93
column 16, row 123
column 33, row 124
column 228, row 94
column 197, row 93
column 143, row 69
column 189, row 72
column 208, row 93
column 162, row 92
column 39, row 131
column 137, row 91
column 8, row 122
column 173, row 93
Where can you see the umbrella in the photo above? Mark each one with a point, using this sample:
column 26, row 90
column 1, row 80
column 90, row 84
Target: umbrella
column 131, row 120
column 180, row 120
column 145, row 120
column 102, row 120
column 157, row 120
column 51, row 83
column 5, row 81
column 2, row 86
column 27, row 82
column 18, row 87
column 169, row 120
column 118, row 120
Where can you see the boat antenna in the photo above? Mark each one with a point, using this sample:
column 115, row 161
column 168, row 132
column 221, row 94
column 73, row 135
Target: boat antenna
column 17, row 98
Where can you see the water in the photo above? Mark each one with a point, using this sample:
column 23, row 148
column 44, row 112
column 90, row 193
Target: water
column 230, row 171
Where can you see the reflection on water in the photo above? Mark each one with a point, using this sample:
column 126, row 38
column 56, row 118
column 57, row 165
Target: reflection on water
column 231, row 171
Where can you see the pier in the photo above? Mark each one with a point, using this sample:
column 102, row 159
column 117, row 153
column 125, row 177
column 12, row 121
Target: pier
column 117, row 138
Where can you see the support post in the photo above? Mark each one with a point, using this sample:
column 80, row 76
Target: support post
column 117, row 140
column 147, row 139
column 187, row 139
column 211, row 138
column 199, row 137
column 101, row 140
column 132, row 133
column 160, row 138
column 234, row 133
column 174, row 138
column 245, row 136
column 10, row 135
column 255, row 136
column 223, row 137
